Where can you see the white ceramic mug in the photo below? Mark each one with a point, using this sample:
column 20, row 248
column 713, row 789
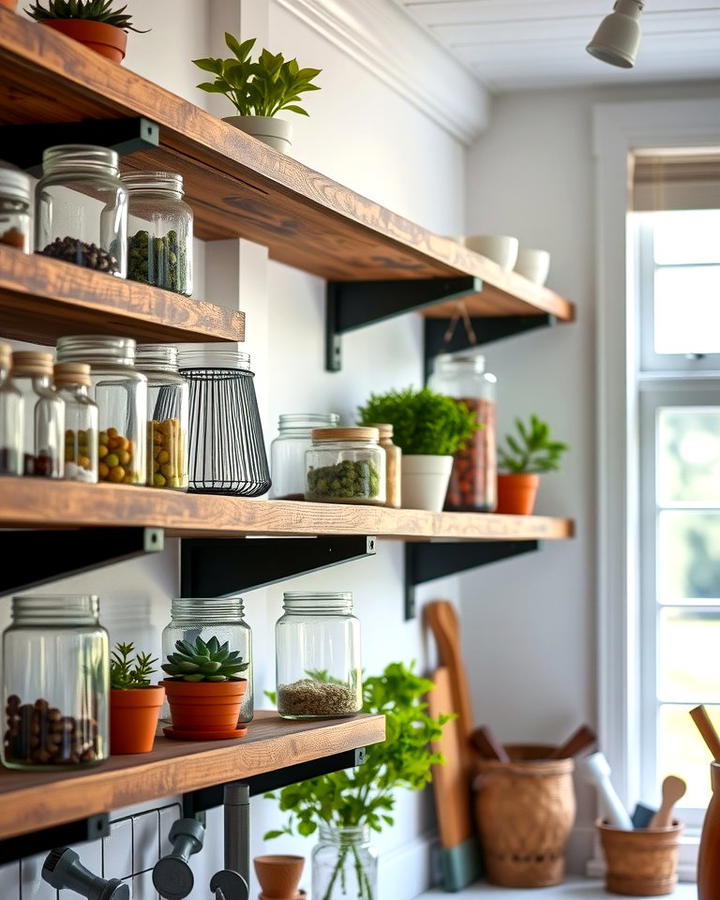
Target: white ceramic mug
column 533, row 264
column 500, row 248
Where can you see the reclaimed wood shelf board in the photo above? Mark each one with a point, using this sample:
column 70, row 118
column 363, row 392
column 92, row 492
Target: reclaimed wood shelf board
column 36, row 503
column 42, row 299
column 30, row 801
column 239, row 187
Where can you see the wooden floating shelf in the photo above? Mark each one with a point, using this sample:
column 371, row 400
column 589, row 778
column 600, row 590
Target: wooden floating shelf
column 238, row 187
column 35, row 503
column 30, row 801
column 42, row 299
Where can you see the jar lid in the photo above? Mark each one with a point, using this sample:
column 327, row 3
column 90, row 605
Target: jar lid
column 14, row 184
column 384, row 428
column 157, row 357
column 318, row 602
column 308, row 420
column 208, row 609
column 220, row 358
column 72, row 373
column 96, row 348
column 473, row 361
column 32, row 362
column 5, row 355
column 56, row 610
column 80, row 157
column 152, row 181
column 360, row 433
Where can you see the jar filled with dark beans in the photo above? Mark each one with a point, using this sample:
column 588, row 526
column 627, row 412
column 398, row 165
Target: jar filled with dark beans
column 55, row 683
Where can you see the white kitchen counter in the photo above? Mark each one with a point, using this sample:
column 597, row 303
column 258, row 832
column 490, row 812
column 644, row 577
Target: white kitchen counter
column 572, row 889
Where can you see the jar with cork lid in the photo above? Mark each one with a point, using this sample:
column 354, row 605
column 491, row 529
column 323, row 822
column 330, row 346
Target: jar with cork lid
column 11, row 417
column 44, row 420
column 72, row 383
column 345, row 465
column 15, row 194
column 393, row 457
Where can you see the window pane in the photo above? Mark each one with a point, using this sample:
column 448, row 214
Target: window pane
column 688, row 456
column 689, row 644
column 681, row 751
column 688, row 569
column 686, row 236
column 687, row 309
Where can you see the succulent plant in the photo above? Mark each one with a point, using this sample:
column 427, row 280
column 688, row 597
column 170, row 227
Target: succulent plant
column 128, row 671
column 201, row 661
column 90, row 10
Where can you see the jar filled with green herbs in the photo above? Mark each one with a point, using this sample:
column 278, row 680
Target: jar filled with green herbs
column 160, row 231
column 345, row 465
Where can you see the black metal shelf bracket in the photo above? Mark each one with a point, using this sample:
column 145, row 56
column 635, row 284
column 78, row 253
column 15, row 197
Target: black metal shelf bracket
column 31, row 558
column 427, row 561
column 218, row 567
column 23, row 145
column 24, row 845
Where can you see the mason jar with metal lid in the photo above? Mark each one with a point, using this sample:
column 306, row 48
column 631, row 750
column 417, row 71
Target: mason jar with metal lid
column 12, row 409
column 287, row 451
column 345, row 465
column 15, row 194
column 72, row 382
column 44, row 421
column 81, row 208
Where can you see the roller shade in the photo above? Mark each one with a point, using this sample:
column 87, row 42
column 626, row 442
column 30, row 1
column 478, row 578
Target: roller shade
column 676, row 180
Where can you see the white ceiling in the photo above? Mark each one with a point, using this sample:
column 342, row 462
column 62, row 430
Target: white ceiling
column 517, row 44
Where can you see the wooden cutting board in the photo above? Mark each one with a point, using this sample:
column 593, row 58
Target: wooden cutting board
column 443, row 621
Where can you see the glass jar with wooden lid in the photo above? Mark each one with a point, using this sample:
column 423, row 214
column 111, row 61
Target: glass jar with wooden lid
column 345, row 465
column 72, row 383
column 44, row 425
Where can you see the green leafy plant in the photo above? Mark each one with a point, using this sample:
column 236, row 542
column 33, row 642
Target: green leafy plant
column 89, row 10
column 201, row 661
column 128, row 671
column 259, row 88
column 532, row 450
column 423, row 421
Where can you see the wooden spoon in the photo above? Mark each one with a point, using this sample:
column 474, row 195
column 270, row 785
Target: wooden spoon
column 673, row 788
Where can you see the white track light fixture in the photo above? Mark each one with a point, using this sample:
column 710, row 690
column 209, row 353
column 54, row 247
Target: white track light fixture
column 617, row 39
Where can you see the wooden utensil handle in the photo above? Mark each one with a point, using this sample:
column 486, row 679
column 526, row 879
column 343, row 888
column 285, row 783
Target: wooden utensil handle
column 583, row 738
column 706, row 728
column 488, row 745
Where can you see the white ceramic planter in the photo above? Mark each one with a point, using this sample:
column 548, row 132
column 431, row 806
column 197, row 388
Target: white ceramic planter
column 276, row 133
column 533, row 264
column 500, row 248
column 425, row 481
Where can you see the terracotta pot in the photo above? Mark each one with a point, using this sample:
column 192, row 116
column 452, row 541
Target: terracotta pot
column 205, row 706
column 107, row 40
column 9, row 4
column 133, row 718
column 517, row 493
column 279, row 876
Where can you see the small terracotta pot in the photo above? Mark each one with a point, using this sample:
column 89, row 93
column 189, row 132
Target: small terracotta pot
column 517, row 493
column 9, row 4
column 279, row 876
column 205, row 706
column 133, row 718
column 107, row 40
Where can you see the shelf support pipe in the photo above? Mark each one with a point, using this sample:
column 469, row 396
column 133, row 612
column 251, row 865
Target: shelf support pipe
column 232, row 882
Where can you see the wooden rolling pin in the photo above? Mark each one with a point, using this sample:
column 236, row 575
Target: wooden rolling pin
column 487, row 745
column 673, row 788
column 580, row 740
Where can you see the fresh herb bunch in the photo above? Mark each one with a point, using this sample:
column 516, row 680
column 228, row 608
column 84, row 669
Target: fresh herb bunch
column 90, row 10
column 260, row 88
column 201, row 661
column 533, row 450
column 128, row 671
column 423, row 421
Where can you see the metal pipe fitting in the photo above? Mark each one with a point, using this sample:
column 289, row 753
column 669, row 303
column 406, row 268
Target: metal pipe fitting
column 63, row 870
column 172, row 876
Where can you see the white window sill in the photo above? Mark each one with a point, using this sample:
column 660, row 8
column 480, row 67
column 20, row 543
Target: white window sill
column 572, row 889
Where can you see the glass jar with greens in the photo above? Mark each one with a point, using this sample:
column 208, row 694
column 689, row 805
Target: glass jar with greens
column 345, row 465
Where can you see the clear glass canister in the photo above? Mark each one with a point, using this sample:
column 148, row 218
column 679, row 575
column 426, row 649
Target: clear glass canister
column 120, row 392
column 205, row 617
column 393, row 457
column 55, row 683
column 72, row 382
column 15, row 193
column 287, row 452
column 344, row 864
column 81, row 208
column 318, row 667
column 160, row 231
column 345, row 465
column 473, row 482
column 11, row 418
column 168, row 416
column 44, row 420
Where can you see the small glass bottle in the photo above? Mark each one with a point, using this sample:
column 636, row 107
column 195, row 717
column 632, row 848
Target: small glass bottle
column 55, row 683
column 81, row 208
column 44, row 427
column 15, row 194
column 344, row 864
column 168, row 415
column 11, row 418
column 72, row 381
column 393, row 457
column 345, row 465
column 120, row 392
column 287, row 452
column 160, row 231
column 318, row 667
column 223, row 617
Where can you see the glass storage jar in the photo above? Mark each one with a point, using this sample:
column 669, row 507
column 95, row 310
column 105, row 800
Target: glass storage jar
column 160, row 231
column 11, row 418
column 72, row 381
column 44, row 420
column 317, row 645
column 393, row 460
column 344, row 864
column 120, row 392
column 345, row 465
column 223, row 617
column 168, row 414
column 55, row 683
column 227, row 448
column 473, row 481
column 287, row 452
column 15, row 193
column 81, row 208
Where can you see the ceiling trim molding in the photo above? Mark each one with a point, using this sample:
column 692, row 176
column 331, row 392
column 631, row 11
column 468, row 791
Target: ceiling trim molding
column 385, row 40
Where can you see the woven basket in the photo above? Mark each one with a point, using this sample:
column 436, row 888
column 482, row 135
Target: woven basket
column 641, row 863
column 525, row 810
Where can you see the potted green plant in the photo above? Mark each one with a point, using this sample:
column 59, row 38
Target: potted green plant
column 521, row 461
column 204, row 690
column 259, row 90
column 429, row 428
column 98, row 24
column 345, row 806
column 134, row 702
